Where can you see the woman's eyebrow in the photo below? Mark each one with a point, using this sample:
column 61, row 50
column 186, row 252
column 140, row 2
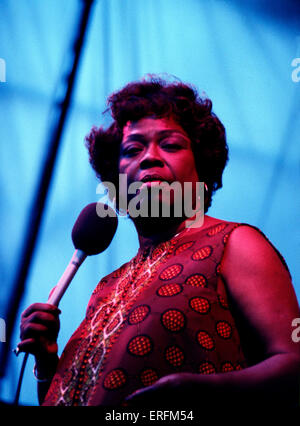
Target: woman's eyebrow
column 172, row 132
column 139, row 137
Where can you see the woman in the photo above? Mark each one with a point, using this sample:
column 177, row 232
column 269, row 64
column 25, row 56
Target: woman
column 201, row 314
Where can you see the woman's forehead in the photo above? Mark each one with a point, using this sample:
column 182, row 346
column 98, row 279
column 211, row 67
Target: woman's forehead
column 150, row 125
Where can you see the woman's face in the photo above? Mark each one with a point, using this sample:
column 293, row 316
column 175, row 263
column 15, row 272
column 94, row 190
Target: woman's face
column 156, row 150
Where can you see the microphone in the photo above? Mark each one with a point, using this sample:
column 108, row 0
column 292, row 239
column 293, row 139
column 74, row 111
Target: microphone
column 91, row 234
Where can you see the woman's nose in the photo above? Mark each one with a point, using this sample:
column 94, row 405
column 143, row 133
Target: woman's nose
column 151, row 157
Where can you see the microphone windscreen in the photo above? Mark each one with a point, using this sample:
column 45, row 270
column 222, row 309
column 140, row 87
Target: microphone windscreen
column 91, row 233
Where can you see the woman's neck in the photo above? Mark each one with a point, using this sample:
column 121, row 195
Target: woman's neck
column 151, row 233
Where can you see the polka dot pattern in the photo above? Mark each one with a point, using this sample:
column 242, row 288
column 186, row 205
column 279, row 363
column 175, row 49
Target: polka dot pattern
column 171, row 272
column 174, row 356
column 238, row 367
column 168, row 290
column 115, row 379
column 200, row 304
column 196, row 280
column 138, row 314
column 216, row 229
column 205, row 340
column 224, row 329
column 168, row 313
column 226, row 367
column 183, row 247
column 207, row 367
column 148, row 376
column 173, row 320
column 140, row 345
column 202, row 253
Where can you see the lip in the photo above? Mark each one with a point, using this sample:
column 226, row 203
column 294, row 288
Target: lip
column 153, row 178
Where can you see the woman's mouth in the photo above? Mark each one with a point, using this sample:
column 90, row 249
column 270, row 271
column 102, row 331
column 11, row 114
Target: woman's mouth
column 150, row 183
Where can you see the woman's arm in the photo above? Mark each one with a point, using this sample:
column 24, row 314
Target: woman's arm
column 45, row 368
column 261, row 292
column 38, row 331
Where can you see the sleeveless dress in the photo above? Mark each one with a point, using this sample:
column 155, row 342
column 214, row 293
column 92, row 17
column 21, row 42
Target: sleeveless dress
column 163, row 312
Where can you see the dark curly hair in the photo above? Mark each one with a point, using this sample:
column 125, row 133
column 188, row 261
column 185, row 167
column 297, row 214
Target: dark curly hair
column 158, row 97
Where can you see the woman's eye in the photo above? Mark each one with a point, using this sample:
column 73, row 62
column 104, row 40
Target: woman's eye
column 173, row 146
column 130, row 151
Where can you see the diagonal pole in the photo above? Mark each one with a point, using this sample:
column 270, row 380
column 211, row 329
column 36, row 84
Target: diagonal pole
column 40, row 196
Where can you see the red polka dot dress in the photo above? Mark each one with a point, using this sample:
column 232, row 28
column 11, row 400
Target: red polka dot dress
column 163, row 312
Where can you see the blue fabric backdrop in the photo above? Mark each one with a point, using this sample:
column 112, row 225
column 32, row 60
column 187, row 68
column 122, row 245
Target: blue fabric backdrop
column 238, row 52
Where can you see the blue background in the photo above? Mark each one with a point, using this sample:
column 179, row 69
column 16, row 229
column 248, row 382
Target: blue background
column 238, row 52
